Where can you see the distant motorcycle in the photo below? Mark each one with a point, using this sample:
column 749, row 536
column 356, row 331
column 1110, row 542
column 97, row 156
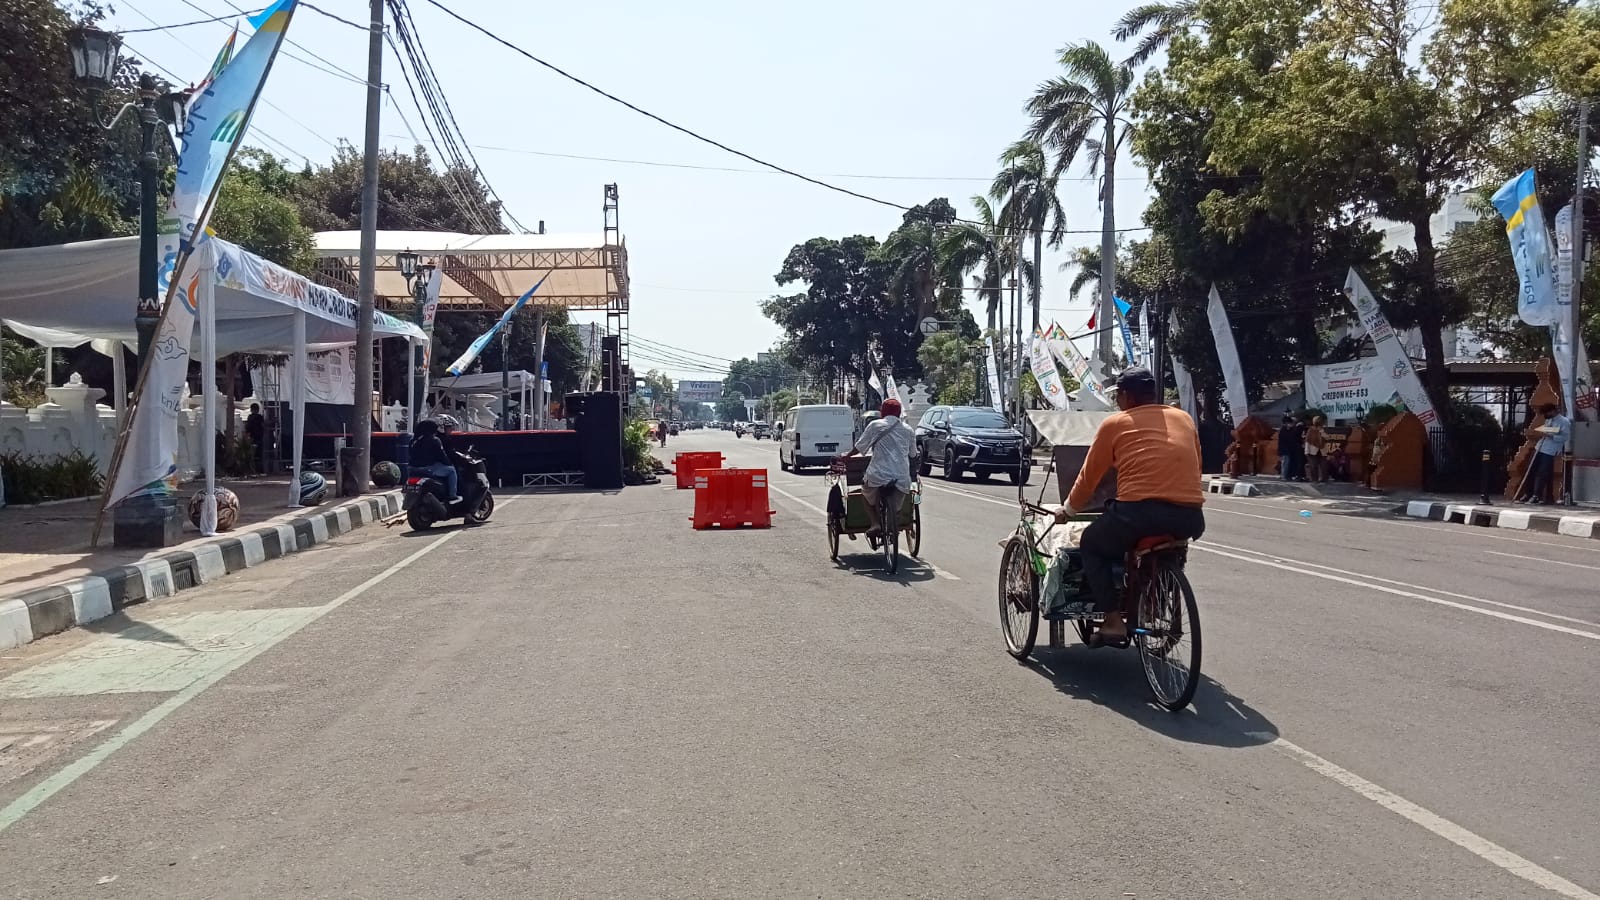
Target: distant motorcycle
column 425, row 496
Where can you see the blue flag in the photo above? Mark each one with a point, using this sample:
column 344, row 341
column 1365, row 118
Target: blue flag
column 1518, row 201
column 460, row 365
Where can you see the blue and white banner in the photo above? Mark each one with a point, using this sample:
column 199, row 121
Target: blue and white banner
column 1518, row 201
column 460, row 366
column 1130, row 352
column 1043, row 364
column 995, row 399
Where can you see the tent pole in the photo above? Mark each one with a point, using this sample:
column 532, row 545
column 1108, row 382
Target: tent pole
column 411, row 385
column 297, row 394
column 49, row 367
column 208, row 384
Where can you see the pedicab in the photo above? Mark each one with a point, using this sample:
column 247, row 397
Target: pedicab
column 1157, row 602
column 847, row 513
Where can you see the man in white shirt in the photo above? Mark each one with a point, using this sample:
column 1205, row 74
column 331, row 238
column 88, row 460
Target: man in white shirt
column 888, row 441
column 1557, row 430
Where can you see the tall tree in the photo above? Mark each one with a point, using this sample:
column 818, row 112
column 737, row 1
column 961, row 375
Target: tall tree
column 412, row 195
column 848, row 306
column 1026, row 186
column 1387, row 107
column 979, row 245
column 255, row 212
column 1084, row 109
column 1156, row 25
column 913, row 251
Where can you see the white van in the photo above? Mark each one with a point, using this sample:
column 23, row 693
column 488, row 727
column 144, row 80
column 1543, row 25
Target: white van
column 813, row 435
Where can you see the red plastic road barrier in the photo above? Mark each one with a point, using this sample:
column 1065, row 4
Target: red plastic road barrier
column 730, row 498
column 687, row 464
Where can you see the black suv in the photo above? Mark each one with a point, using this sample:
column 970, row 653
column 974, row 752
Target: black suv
column 971, row 439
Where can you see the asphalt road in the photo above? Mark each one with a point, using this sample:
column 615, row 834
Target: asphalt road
column 588, row 698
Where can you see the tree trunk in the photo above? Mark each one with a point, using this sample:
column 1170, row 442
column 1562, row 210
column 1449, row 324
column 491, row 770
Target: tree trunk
column 1038, row 271
column 1108, row 245
column 1435, row 378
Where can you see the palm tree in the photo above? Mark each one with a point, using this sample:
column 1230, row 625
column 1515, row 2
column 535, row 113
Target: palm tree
column 1081, row 109
column 1160, row 23
column 977, row 244
column 1026, row 184
column 914, row 250
column 1086, row 262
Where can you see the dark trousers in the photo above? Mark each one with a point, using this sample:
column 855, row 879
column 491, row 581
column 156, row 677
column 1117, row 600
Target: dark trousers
column 1108, row 539
column 1540, row 470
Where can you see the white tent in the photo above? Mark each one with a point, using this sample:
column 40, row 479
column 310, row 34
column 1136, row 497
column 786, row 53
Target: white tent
column 69, row 294
column 521, row 383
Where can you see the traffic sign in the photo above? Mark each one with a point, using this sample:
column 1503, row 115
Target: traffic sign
column 930, row 325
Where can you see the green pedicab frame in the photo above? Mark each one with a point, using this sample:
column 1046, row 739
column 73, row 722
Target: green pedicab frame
column 854, row 521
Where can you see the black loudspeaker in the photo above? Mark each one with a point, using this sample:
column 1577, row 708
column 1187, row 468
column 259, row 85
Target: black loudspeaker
column 572, row 404
column 600, row 434
column 611, row 362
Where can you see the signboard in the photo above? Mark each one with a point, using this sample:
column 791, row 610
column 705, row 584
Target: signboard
column 1348, row 390
column 699, row 391
column 1392, row 360
column 930, row 325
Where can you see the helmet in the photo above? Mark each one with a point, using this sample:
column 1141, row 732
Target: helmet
column 313, row 488
column 385, row 474
column 447, row 423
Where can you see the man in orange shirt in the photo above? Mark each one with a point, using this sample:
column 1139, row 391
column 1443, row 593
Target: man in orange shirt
column 1155, row 452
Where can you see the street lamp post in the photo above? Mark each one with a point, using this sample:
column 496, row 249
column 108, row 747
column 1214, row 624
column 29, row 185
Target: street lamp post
column 146, row 520
column 96, row 56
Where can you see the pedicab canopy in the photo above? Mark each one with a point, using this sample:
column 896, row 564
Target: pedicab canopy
column 1070, row 432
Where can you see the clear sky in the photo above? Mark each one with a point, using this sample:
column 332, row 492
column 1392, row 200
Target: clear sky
column 922, row 96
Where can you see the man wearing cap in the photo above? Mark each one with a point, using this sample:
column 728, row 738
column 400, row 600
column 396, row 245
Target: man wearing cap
column 1155, row 452
column 889, row 441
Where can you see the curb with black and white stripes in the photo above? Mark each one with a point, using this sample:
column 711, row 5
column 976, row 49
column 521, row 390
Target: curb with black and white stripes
column 1230, row 487
column 50, row 610
column 1585, row 526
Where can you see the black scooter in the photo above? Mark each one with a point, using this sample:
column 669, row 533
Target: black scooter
column 425, row 496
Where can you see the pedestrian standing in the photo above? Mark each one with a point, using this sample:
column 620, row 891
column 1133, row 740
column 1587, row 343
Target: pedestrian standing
column 1556, row 431
column 255, row 427
column 1316, row 444
column 1286, row 446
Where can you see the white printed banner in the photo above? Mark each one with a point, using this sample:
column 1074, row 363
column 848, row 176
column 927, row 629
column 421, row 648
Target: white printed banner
column 1077, row 364
column 995, row 399
column 1044, row 372
column 1393, row 363
column 1347, row 390
column 1228, row 355
column 1187, row 401
column 1577, row 394
column 330, row 376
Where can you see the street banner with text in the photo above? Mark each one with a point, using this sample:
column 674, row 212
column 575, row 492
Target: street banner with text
column 466, row 359
column 1577, row 394
column 1043, row 363
column 1347, row 390
column 1405, row 390
column 146, row 456
column 1518, row 201
column 1228, row 355
column 699, row 391
column 1077, row 364
column 995, row 399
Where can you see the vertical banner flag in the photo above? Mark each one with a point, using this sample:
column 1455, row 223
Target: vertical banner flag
column 1147, row 344
column 460, row 365
column 1130, row 353
column 1077, row 364
column 1518, row 202
column 224, row 56
column 994, row 377
column 874, row 382
column 1578, row 393
column 1043, row 363
column 1186, row 396
column 894, row 389
column 1228, row 355
column 426, row 315
column 1408, row 393
column 216, row 121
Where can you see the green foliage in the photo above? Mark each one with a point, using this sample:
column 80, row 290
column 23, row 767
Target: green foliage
column 33, row 479
column 255, row 211
column 1378, row 414
column 23, row 371
column 1470, row 423
column 412, row 195
column 636, row 456
column 947, row 362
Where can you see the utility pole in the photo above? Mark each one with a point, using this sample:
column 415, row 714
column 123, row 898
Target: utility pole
column 1580, row 256
column 367, row 283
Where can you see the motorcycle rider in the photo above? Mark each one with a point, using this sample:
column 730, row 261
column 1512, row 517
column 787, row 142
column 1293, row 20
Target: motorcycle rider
column 429, row 456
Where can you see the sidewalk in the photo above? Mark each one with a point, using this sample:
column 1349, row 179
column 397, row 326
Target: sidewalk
column 1582, row 520
column 51, row 580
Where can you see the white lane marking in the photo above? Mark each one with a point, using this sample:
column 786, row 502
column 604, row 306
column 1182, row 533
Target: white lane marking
column 1233, row 512
column 1540, row 559
column 1270, row 563
column 1406, row 584
column 28, row 802
column 1479, row 846
column 947, row 576
column 960, row 493
column 1475, row 531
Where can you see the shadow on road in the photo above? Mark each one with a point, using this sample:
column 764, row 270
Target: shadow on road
column 1114, row 679
column 119, row 626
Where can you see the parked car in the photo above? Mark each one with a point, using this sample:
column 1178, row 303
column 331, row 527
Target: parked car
column 960, row 439
column 814, row 434
column 760, row 430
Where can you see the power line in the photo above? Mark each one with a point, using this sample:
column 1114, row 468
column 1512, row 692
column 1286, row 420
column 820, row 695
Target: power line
column 405, row 27
column 696, row 135
column 177, row 25
column 342, row 72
